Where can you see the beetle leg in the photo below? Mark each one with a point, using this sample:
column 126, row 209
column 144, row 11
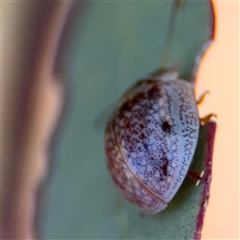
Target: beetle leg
column 201, row 97
column 207, row 118
column 196, row 176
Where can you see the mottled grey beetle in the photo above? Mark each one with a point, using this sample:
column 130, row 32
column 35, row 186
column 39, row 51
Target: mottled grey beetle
column 151, row 139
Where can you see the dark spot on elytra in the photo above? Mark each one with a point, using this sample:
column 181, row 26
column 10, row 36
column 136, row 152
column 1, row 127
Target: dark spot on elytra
column 166, row 126
column 152, row 158
column 126, row 106
column 135, row 132
column 164, row 169
column 136, row 99
column 141, row 96
column 145, row 145
column 142, row 136
column 154, row 92
column 164, row 166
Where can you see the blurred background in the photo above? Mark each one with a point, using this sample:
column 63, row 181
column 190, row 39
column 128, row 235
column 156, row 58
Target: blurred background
column 64, row 65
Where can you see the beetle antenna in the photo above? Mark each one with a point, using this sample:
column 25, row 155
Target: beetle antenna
column 176, row 5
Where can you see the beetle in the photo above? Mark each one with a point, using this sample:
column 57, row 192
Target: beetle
column 151, row 138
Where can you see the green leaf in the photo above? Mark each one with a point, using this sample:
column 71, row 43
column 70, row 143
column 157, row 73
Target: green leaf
column 112, row 44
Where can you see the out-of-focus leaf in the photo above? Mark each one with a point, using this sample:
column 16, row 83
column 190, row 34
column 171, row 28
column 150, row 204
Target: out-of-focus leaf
column 112, row 45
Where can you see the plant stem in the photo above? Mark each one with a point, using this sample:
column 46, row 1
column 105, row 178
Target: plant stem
column 176, row 5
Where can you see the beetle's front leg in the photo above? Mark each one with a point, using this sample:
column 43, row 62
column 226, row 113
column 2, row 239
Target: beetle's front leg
column 207, row 118
column 202, row 97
